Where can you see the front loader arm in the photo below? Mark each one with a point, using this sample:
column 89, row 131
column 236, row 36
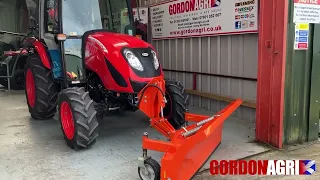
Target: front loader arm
column 189, row 147
column 151, row 102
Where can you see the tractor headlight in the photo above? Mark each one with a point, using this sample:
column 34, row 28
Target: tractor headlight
column 155, row 60
column 133, row 60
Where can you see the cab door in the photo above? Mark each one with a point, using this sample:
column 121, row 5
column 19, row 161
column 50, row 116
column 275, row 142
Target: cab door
column 49, row 26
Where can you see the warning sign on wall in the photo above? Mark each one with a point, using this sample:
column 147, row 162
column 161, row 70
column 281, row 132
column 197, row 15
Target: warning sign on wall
column 301, row 36
column 306, row 11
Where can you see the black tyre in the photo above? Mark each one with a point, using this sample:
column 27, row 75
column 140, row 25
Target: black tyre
column 41, row 91
column 152, row 170
column 78, row 118
column 16, row 82
column 176, row 105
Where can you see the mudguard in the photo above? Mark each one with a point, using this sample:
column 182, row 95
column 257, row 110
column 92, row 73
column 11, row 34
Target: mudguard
column 42, row 53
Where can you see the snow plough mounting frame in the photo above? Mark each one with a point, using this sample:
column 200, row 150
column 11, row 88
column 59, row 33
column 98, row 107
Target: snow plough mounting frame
column 189, row 147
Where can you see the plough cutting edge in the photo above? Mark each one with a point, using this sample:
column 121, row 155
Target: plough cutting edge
column 188, row 148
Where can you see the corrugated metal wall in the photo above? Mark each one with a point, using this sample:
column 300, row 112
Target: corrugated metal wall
column 235, row 55
column 8, row 16
column 14, row 16
column 228, row 55
column 301, row 106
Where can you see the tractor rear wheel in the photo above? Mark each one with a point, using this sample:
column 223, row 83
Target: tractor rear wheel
column 41, row 91
column 78, row 118
column 176, row 105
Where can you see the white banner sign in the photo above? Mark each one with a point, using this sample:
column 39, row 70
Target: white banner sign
column 185, row 18
column 306, row 11
column 143, row 13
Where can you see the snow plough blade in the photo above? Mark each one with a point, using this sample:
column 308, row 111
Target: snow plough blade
column 188, row 148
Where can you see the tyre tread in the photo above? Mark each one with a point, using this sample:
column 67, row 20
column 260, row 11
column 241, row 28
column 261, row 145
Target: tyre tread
column 179, row 103
column 85, row 115
column 155, row 166
column 46, row 89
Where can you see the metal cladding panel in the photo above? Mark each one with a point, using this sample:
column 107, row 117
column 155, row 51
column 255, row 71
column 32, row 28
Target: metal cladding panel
column 14, row 17
column 313, row 120
column 234, row 55
column 301, row 107
column 8, row 17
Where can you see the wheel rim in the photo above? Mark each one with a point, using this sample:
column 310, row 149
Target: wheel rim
column 167, row 110
column 67, row 120
column 147, row 173
column 30, row 88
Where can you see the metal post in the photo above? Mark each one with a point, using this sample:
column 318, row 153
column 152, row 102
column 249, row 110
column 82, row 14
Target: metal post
column 194, row 81
column 8, row 78
column 313, row 128
column 273, row 17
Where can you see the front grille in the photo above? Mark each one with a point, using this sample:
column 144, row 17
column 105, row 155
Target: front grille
column 147, row 63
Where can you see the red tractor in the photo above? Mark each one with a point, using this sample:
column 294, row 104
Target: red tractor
column 75, row 61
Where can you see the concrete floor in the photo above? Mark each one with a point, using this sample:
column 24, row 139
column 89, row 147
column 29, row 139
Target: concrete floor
column 36, row 149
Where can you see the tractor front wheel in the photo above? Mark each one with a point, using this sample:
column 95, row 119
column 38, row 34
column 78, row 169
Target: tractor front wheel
column 41, row 90
column 176, row 105
column 78, row 118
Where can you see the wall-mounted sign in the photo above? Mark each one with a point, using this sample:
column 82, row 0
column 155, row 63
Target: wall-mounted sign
column 301, row 36
column 185, row 18
column 306, row 11
column 143, row 13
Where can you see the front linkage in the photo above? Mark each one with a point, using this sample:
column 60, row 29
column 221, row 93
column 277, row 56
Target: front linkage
column 188, row 148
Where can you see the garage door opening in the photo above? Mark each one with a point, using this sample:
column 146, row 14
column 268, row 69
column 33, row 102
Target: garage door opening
column 214, row 70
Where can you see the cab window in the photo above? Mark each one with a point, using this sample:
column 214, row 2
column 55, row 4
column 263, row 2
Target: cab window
column 51, row 15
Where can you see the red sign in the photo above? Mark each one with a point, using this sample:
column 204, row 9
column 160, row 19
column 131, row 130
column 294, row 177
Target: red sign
column 303, row 45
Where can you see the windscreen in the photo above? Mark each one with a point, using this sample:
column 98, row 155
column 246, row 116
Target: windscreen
column 80, row 16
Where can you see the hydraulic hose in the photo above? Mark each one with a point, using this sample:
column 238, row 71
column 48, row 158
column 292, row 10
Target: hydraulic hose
column 144, row 89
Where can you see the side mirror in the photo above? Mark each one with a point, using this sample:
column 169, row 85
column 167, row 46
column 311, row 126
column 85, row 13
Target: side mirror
column 129, row 30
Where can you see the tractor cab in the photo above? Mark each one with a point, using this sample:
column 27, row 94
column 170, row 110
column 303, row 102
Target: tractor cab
column 62, row 24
